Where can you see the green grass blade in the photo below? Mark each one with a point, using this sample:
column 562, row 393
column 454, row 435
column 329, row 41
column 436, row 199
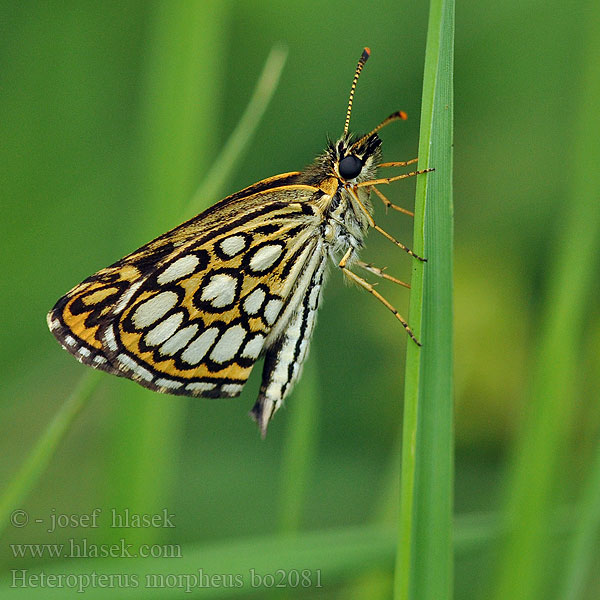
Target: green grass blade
column 424, row 555
column 45, row 448
column 537, row 464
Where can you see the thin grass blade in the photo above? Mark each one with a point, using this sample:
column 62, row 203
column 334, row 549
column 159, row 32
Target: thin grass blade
column 424, row 554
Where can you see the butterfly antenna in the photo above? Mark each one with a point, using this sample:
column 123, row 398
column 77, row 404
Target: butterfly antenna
column 361, row 63
column 398, row 115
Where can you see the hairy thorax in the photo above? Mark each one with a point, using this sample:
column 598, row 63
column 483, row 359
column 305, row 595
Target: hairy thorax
column 346, row 223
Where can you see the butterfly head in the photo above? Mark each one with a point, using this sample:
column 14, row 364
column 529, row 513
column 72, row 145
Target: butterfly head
column 355, row 159
column 351, row 159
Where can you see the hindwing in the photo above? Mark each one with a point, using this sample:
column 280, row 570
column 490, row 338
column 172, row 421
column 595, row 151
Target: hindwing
column 190, row 312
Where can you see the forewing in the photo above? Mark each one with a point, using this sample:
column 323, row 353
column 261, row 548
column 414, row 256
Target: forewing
column 189, row 312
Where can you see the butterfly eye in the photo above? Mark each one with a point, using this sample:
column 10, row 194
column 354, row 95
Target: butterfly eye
column 350, row 166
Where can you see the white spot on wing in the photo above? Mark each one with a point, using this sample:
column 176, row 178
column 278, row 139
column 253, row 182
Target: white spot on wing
column 254, row 346
column 180, row 268
column 109, row 338
column 233, row 245
column 99, row 360
column 70, row 341
column 265, row 256
column 168, row 383
column 83, row 351
column 137, row 369
column 126, row 297
column 232, row 388
column 153, row 309
column 220, row 290
column 200, row 386
column 195, row 352
column 229, row 343
column 53, row 324
column 164, row 330
column 272, row 310
column 253, row 301
column 179, row 340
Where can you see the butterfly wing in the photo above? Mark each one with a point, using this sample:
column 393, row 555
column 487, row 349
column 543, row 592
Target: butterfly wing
column 190, row 312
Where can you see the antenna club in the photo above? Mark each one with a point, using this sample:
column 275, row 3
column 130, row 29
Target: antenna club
column 366, row 53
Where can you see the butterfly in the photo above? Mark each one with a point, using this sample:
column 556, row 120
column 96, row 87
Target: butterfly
column 192, row 311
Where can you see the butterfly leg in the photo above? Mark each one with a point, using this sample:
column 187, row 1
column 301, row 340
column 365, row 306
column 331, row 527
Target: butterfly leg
column 389, row 204
column 367, row 286
column 399, row 244
column 391, row 179
column 402, row 163
column 380, row 273
column 372, row 223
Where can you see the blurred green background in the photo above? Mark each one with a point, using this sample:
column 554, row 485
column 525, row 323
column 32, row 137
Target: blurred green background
column 111, row 113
